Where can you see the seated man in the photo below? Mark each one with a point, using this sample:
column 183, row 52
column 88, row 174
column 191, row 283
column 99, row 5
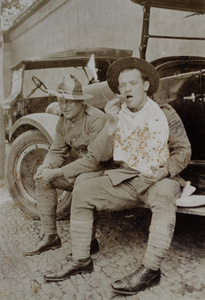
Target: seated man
column 76, row 130
column 151, row 147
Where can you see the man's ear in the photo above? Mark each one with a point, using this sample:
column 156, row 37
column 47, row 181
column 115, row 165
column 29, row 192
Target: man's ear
column 146, row 86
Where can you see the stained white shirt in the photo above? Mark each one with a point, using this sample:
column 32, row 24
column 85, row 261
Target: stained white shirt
column 141, row 138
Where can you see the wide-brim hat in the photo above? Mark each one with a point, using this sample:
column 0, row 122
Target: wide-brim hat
column 70, row 88
column 132, row 63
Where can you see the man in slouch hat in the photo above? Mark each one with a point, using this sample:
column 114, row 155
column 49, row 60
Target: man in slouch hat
column 69, row 156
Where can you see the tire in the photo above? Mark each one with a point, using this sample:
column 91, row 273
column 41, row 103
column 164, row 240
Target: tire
column 26, row 155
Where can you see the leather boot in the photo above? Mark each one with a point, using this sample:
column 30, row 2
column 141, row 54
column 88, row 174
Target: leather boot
column 80, row 266
column 47, row 242
column 137, row 281
column 94, row 248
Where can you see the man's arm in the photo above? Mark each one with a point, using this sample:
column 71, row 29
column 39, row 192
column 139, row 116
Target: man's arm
column 55, row 157
column 104, row 143
column 59, row 150
column 88, row 162
column 179, row 148
column 179, row 145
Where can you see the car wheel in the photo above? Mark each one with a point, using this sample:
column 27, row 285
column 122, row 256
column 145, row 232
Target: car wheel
column 26, row 155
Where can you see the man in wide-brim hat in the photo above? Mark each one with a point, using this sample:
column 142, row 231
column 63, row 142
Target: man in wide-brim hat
column 151, row 148
column 148, row 72
column 68, row 156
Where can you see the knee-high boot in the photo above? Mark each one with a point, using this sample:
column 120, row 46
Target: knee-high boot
column 47, row 206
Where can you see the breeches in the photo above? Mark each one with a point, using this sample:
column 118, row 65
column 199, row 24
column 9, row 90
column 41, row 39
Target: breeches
column 98, row 194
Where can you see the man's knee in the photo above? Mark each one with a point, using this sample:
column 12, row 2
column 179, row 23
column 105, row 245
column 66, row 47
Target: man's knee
column 80, row 200
column 79, row 193
column 41, row 184
column 164, row 193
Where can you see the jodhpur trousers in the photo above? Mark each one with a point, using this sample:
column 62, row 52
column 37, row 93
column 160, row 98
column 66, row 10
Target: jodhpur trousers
column 98, row 194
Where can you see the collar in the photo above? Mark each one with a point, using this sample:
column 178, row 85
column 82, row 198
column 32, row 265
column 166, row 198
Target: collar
column 126, row 110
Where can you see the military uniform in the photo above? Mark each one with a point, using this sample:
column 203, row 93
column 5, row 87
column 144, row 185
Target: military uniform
column 71, row 150
column 121, row 188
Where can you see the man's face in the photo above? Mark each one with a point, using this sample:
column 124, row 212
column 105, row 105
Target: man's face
column 133, row 88
column 70, row 108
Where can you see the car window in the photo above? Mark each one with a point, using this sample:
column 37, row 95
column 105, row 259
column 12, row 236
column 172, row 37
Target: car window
column 51, row 77
column 165, row 22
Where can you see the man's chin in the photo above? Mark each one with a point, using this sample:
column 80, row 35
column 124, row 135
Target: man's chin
column 131, row 107
column 67, row 116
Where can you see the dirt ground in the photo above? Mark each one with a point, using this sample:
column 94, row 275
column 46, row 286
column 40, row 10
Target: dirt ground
column 122, row 237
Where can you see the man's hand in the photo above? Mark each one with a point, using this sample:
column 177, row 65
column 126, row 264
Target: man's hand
column 48, row 174
column 42, row 167
column 112, row 110
column 156, row 175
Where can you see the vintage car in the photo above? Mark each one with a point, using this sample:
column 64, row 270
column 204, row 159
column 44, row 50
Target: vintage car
column 182, row 84
column 31, row 114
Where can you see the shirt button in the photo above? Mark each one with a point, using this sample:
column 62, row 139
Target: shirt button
column 74, row 139
column 73, row 125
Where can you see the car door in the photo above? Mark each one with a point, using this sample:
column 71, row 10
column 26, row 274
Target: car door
column 185, row 92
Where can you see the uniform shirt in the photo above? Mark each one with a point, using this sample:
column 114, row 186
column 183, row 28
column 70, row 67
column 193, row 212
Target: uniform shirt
column 73, row 142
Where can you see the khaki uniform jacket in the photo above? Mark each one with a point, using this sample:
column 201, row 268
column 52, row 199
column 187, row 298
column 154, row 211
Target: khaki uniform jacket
column 73, row 141
column 178, row 143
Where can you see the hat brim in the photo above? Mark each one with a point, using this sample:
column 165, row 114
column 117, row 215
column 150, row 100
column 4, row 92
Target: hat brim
column 70, row 96
column 132, row 63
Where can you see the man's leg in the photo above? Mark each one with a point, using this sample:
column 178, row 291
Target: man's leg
column 47, row 206
column 94, row 246
column 47, row 201
column 96, row 195
column 161, row 198
column 92, row 195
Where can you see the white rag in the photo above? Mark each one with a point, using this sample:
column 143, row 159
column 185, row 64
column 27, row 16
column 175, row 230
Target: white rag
column 141, row 138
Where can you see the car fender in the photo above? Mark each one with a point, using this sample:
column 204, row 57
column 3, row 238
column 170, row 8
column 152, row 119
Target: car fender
column 44, row 122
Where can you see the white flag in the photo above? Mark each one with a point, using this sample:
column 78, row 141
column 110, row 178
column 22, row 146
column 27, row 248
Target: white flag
column 91, row 65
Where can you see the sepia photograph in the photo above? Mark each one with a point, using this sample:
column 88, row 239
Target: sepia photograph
column 102, row 149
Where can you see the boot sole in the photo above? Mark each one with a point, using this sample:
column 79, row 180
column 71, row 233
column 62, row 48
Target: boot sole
column 39, row 252
column 154, row 282
column 67, row 277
